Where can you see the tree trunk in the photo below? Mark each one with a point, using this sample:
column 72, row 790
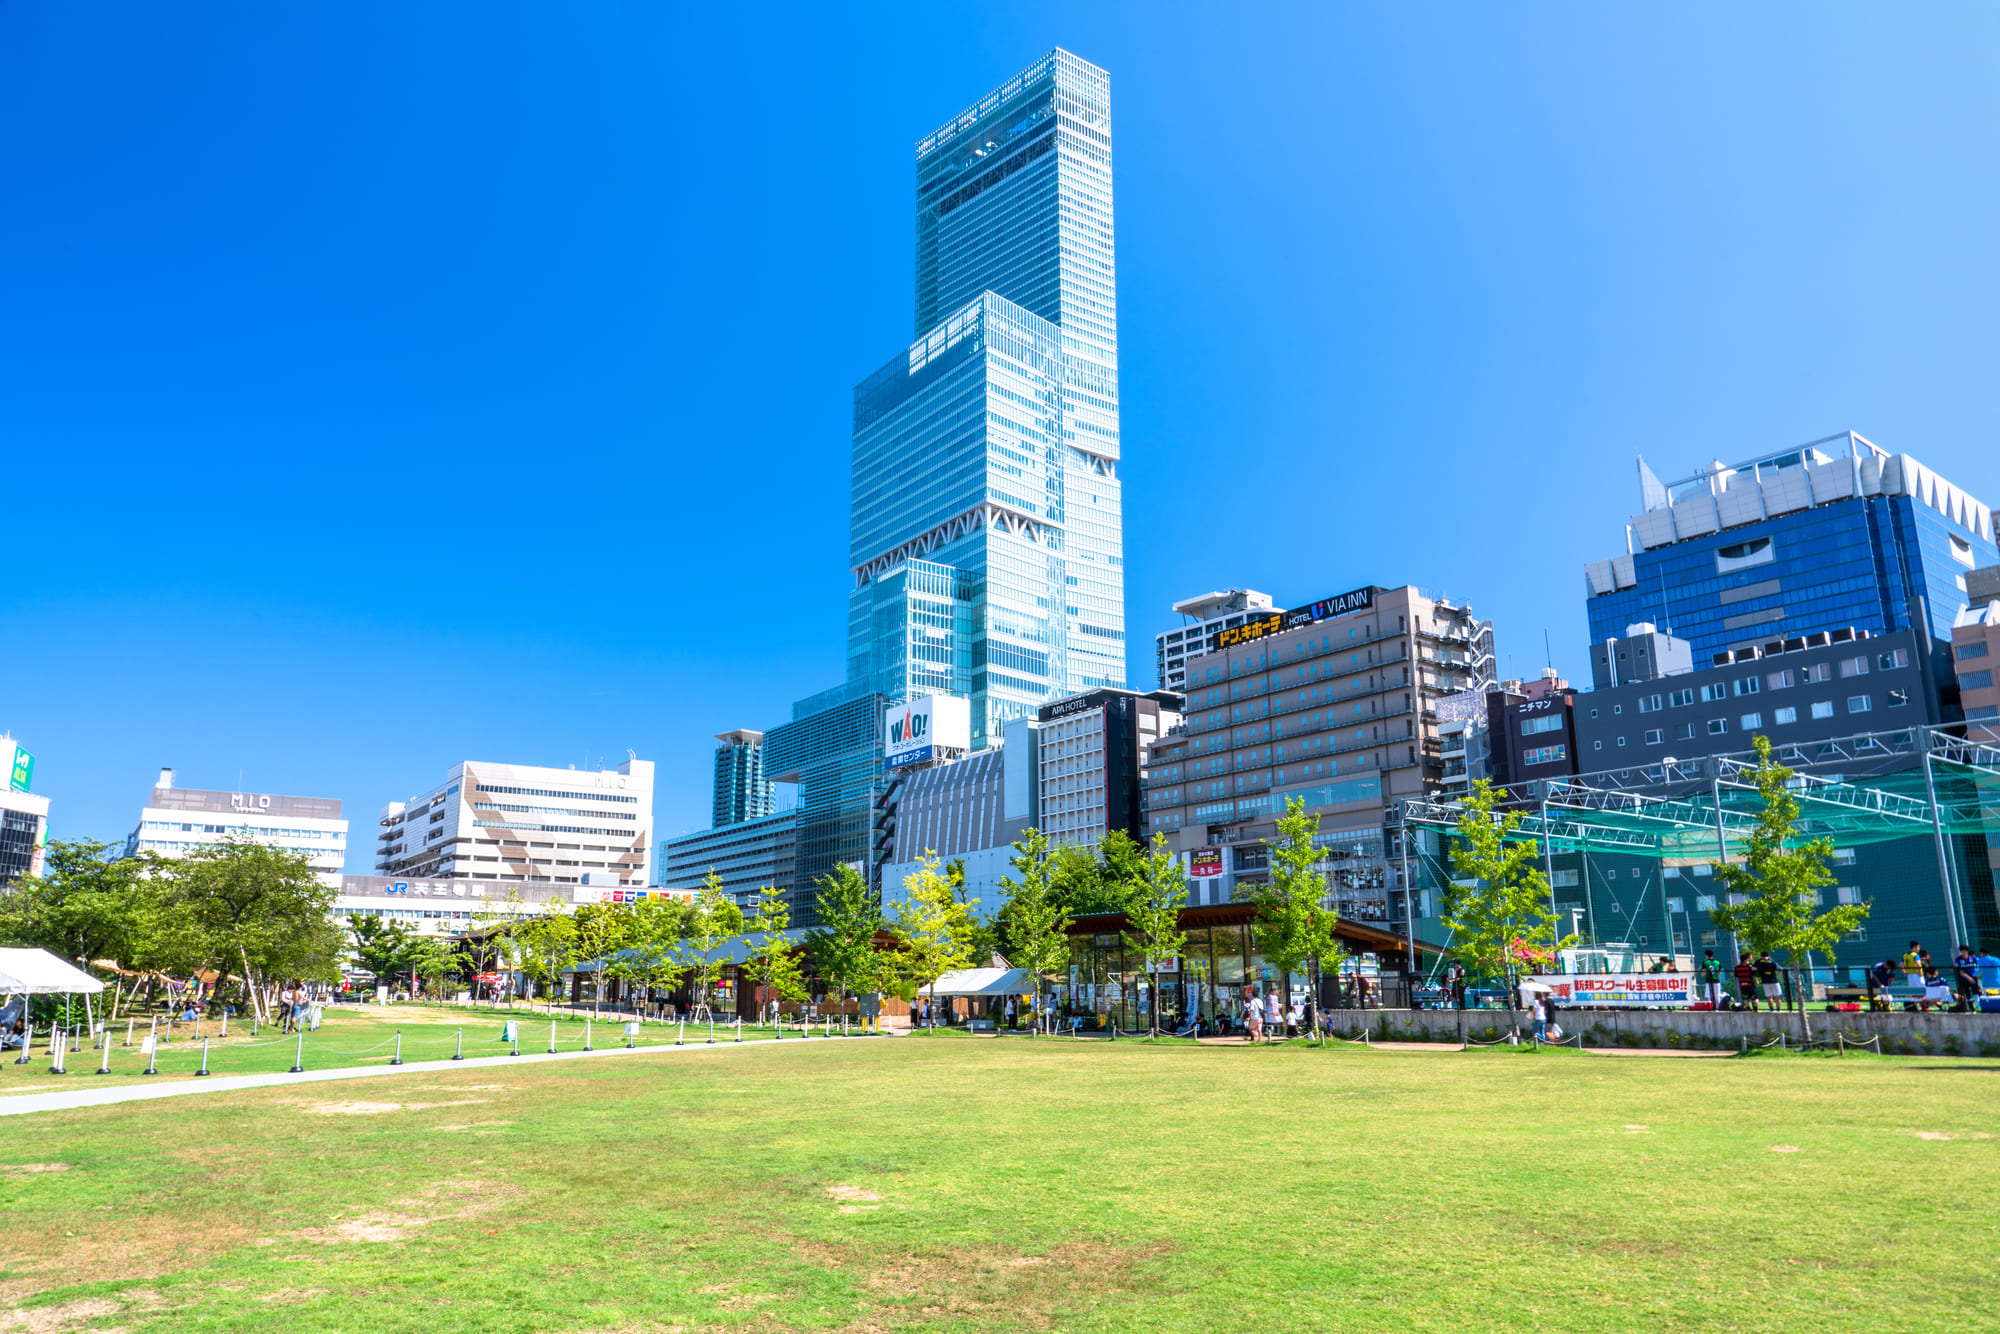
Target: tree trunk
column 248, row 977
column 1799, row 992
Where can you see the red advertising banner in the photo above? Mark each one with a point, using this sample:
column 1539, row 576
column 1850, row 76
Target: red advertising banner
column 1205, row 861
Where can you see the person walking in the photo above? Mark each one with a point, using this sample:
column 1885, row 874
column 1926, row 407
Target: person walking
column 1455, row 979
column 1253, row 1014
column 1746, row 983
column 1767, row 979
column 1965, row 973
column 1541, row 1013
column 1274, row 1013
column 1711, row 979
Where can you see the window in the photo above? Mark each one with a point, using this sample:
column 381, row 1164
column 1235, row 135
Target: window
column 1531, row 726
column 1717, row 726
column 1750, row 722
column 1854, row 666
column 1848, row 893
column 1685, row 732
column 1650, row 703
column 1545, row 754
column 1704, row 903
column 1710, row 694
column 1783, row 716
column 1961, row 550
column 1860, row 703
column 1617, row 709
column 1975, row 680
column 1843, row 856
column 1746, row 685
column 1898, row 698
column 1819, row 671
column 1964, row 651
column 1593, row 713
column 1654, row 736
column 1621, row 740
column 1563, row 879
column 1597, row 745
column 1822, row 708
column 1780, row 680
column 1708, row 939
column 1893, row 659
column 1681, row 697
column 1676, row 905
column 1743, row 555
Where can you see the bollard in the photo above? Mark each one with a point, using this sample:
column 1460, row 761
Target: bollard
column 225, row 1023
column 739, row 1028
column 515, row 1030
column 58, row 1043
column 681, row 1037
column 632, row 1035
column 204, row 1058
column 27, row 1042
column 711, row 1028
column 586, row 1036
column 104, row 1066
column 128, row 1031
column 299, row 1055
column 458, row 1047
column 397, row 1059
column 152, row 1057
column 552, row 1037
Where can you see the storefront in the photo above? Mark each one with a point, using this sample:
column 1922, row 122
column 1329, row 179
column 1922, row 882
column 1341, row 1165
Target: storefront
column 1110, row 982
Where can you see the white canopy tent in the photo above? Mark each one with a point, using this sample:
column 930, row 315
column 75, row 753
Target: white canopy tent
column 40, row 973
column 984, row 982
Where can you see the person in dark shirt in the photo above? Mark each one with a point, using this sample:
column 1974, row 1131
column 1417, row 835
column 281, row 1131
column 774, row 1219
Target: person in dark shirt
column 1746, row 982
column 1880, row 978
column 1767, row 980
column 1965, row 972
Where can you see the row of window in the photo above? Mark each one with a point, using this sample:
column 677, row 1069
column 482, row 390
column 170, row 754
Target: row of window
column 1751, row 722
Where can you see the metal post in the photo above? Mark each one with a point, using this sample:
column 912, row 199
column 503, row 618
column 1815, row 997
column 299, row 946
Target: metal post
column 1943, row 858
column 514, row 1027
column 58, row 1042
column 129, row 1021
column 739, row 1028
column 27, row 1039
column 299, row 1054
column 680, row 1037
column 152, row 1057
column 552, row 1036
column 104, row 1066
column 586, row 1036
column 204, row 1058
column 458, row 1046
column 1409, row 916
column 711, row 1028
column 397, row 1059
column 225, row 1022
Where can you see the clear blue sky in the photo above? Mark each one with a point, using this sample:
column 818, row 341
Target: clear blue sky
column 388, row 385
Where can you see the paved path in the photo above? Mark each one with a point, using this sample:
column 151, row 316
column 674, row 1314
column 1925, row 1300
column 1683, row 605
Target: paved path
column 71, row 1098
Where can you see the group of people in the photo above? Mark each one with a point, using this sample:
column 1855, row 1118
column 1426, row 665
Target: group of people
column 1972, row 976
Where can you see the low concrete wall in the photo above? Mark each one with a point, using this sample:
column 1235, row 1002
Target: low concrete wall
column 1938, row 1033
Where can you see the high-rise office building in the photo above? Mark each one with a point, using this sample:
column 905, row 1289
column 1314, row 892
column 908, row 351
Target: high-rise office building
column 24, row 817
column 1205, row 617
column 986, row 540
column 1837, row 534
column 180, row 820
column 490, row 821
column 741, row 790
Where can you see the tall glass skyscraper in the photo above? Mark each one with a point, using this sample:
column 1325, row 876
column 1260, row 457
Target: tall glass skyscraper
column 986, row 537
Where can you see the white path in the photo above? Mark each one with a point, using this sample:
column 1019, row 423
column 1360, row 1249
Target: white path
column 71, row 1098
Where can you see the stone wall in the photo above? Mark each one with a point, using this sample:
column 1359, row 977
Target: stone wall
column 1938, row 1033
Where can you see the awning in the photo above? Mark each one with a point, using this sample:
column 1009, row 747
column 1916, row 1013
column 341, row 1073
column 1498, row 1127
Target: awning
column 40, row 973
column 984, row 982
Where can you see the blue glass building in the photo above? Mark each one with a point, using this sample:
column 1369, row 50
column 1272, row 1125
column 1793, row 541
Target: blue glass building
column 1833, row 534
column 986, row 539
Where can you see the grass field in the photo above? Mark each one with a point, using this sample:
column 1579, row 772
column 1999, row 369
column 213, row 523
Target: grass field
column 954, row 1184
column 349, row 1036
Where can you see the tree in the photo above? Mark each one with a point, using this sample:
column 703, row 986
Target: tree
column 382, row 946
column 716, row 921
column 842, row 948
column 1780, row 885
column 600, row 930
column 1034, row 922
column 1155, row 915
column 1503, row 917
column 240, row 902
column 546, row 941
column 935, row 924
column 84, row 906
column 773, row 957
column 429, row 958
column 1123, row 868
column 1295, row 926
column 653, row 930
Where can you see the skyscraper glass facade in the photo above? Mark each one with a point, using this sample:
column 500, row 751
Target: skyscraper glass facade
column 1837, row 534
column 741, row 790
column 987, row 529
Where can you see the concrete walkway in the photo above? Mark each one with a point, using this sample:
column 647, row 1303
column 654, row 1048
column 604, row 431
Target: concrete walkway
column 71, row 1098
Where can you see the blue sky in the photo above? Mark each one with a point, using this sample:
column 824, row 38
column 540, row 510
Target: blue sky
column 384, row 386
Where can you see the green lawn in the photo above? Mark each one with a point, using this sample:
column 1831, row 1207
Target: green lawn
column 349, row 1036
column 917, row 1184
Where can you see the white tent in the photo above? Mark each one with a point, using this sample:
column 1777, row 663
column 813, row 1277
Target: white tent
column 984, row 982
column 40, row 973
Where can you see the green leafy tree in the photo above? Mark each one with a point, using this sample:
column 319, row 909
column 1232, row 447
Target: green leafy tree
column 842, row 948
column 601, row 929
column 1123, row 868
column 431, row 963
column 545, row 943
column 243, row 904
column 1502, row 919
column 1155, row 915
column 1296, row 929
column 382, row 946
column 1780, row 884
column 649, row 955
column 774, row 958
column 1034, row 921
column 716, row 921
column 935, row 925
column 84, row 906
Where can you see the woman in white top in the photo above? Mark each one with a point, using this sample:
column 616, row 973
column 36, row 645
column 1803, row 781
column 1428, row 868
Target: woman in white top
column 1253, row 1016
column 1274, row 1014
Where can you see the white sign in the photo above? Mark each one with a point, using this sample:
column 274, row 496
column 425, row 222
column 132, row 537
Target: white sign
column 913, row 733
column 1620, row 991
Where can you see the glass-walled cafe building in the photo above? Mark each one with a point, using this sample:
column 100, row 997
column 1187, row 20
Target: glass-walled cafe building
column 1110, row 982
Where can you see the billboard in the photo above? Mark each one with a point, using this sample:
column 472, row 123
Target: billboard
column 915, row 732
column 1359, row 600
column 21, row 770
column 1205, row 861
column 1250, row 630
column 1620, row 991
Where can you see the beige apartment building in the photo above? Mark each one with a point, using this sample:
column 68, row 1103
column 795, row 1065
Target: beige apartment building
column 1332, row 703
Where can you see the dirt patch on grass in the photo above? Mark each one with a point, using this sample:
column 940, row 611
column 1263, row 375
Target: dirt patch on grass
column 379, row 1108
column 41, row 1258
column 24, row 1169
column 1037, row 1291
column 444, row 1202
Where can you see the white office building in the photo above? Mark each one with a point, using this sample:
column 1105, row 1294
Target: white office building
column 179, row 820
column 1204, row 618
column 525, row 824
